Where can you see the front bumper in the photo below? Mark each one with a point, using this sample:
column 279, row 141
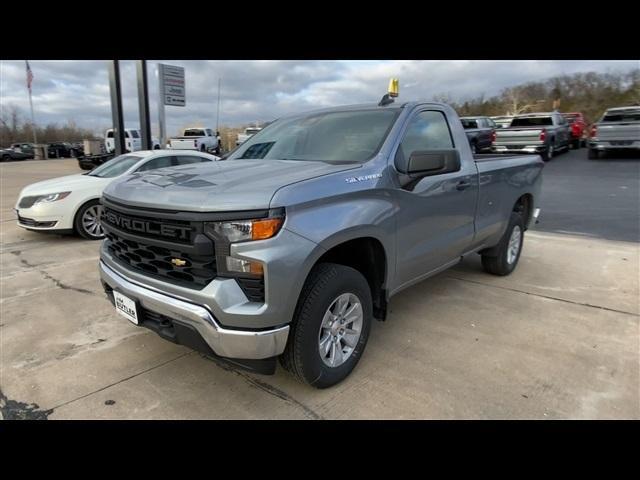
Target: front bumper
column 227, row 343
column 39, row 219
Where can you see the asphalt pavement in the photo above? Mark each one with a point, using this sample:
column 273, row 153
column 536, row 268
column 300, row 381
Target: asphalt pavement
column 594, row 198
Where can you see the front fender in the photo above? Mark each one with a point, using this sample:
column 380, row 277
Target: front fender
column 337, row 220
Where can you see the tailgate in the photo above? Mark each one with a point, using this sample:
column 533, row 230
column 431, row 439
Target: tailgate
column 618, row 131
column 183, row 143
column 517, row 136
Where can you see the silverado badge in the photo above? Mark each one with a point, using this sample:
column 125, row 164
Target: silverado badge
column 178, row 262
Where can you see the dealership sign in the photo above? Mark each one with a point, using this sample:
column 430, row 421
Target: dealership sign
column 172, row 85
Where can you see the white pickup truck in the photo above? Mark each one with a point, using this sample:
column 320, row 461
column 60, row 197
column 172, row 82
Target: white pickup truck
column 132, row 140
column 202, row 139
column 248, row 133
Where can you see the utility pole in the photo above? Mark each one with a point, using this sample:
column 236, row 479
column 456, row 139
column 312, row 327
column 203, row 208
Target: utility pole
column 218, row 113
column 33, row 121
column 116, row 106
column 161, row 118
column 143, row 104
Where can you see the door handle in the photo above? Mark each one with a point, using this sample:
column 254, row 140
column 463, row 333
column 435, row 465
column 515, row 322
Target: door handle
column 462, row 185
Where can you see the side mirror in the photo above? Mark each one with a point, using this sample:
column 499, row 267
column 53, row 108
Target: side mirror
column 423, row 163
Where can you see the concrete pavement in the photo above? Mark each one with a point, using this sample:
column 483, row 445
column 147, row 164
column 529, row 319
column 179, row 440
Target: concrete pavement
column 559, row 338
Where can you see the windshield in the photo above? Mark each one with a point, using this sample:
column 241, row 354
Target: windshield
column 531, row 121
column 622, row 116
column 467, row 124
column 115, row 166
column 193, row 132
column 348, row 136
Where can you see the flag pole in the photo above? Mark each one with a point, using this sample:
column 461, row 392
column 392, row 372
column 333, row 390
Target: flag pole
column 33, row 122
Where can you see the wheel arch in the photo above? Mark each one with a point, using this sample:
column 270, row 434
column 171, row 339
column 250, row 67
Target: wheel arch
column 365, row 253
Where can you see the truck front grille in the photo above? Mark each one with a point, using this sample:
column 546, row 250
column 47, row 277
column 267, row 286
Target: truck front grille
column 197, row 271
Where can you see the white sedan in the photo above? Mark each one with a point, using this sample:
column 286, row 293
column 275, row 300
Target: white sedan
column 72, row 203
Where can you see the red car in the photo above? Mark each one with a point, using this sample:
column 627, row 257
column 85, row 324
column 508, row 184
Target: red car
column 577, row 127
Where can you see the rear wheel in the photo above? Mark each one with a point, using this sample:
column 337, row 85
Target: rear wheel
column 577, row 143
column 593, row 154
column 203, row 148
column 87, row 222
column 474, row 148
column 330, row 327
column 548, row 153
column 503, row 258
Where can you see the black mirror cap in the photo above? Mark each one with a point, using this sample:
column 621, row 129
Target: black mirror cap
column 422, row 163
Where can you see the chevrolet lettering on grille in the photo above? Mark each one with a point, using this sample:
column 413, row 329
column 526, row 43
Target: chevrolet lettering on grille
column 142, row 226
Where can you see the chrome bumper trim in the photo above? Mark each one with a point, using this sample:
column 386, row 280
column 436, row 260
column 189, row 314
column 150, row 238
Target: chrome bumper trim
column 242, row 344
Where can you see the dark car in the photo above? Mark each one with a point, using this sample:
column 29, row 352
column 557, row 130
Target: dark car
column 89, row 162
column 480, row 131
column 26, row 148
column 7, row 154
column 62, row 150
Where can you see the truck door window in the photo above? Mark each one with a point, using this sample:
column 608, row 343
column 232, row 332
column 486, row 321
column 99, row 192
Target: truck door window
column 428, row 130
column 134, row 134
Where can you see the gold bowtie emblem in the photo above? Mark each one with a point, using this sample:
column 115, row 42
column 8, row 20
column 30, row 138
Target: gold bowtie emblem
column 178, row 262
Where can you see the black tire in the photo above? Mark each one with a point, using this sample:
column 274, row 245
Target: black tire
column 496, row 259
column 593, row 154
column 6, row 158
column 548, row 153
column 78, row 223
column 474, row 148
column 302, row 357
column 203, row 148
column 156, row 147
column 576, row 144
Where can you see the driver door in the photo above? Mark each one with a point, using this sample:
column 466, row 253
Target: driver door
column 436, row 213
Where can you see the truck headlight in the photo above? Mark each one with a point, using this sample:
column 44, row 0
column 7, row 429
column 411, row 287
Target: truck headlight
column 245, row 230
column 52, row 197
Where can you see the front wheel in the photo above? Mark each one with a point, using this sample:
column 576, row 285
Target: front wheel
column 87, row 222
column 330, row 326
column 503, row 258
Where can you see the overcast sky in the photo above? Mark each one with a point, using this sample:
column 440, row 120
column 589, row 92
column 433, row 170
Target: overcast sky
column 262, row 90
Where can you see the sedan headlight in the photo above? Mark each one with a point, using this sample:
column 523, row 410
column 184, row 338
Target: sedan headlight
column 245, row 230
column 52, row 197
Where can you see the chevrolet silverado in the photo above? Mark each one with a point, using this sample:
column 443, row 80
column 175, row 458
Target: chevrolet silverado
column 295, row 243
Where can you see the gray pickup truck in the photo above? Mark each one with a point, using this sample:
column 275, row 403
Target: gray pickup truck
column 293, row 244
column 543, row 133
column 481, row 132
column 618, row 129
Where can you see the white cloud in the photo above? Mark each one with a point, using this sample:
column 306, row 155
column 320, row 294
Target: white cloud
column 263, row 90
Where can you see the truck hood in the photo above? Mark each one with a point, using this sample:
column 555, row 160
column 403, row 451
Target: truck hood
column 220, row 186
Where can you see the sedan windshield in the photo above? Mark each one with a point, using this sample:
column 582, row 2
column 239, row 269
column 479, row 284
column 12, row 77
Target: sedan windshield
column 115, row 166
column 347, row 136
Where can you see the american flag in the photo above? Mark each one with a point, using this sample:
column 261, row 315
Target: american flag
column 29, row 76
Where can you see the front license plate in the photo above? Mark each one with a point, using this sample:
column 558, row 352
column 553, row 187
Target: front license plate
column 126, row 307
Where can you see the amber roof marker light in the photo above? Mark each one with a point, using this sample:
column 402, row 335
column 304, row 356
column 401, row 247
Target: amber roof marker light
column 393, row 92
